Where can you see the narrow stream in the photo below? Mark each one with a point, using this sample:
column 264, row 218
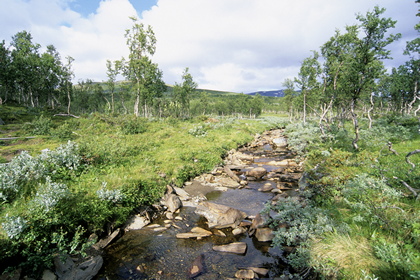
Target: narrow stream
column 156, row 253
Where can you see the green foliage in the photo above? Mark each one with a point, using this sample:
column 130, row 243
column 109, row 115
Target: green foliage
column 132, row 125
column 39, row 126
column 64, row 131
column 296, row 223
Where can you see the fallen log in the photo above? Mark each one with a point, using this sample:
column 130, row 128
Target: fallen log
column 66, row 115
column 14, row 138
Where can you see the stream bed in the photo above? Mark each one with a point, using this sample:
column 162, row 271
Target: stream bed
column 155, row 252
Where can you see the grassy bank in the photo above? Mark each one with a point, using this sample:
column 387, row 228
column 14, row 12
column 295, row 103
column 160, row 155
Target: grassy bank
column 360, row 221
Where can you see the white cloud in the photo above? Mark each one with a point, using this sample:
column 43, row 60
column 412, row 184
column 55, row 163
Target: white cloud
column 90, row 41
column 233, row 45
column 221, row 40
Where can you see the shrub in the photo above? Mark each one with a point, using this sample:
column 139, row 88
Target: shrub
column 198, row 131
column 369, row 198
column 131, row 126
column 14, row 226
column 63, row 132
column 40, row 126
column 49, row 195
column 114, row 196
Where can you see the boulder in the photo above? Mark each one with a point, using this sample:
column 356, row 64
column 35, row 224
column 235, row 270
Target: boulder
column 183, row 195
column 137, row 222
column 220, row 216
column 280, row 142
column 260, row 270
column 245, row 274
column 48, row 275
column 257, row 172
column 235, row 248
column 66, row 269
column 238, row 230
column 232, row 175
column 257, row 222
column 172, row 202
column 268, row 187
column 264, row 234
column 227, row 182
column 197, row 267
column 242, row 157
column 195, row 232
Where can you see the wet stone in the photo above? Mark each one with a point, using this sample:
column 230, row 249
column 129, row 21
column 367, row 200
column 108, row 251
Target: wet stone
column 235, row 248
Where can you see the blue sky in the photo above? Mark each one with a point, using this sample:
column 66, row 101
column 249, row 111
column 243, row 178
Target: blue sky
column 232, row 45
column 87, row 7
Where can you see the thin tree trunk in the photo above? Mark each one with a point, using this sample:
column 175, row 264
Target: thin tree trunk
column 69, row 101
column 355, row 125
column 370, row 110
column 136, row 106
column 304, row 108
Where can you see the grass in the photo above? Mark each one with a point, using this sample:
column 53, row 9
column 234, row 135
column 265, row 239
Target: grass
column 341, row 256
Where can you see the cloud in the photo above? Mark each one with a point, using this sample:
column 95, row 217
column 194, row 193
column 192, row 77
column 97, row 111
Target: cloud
column 247, row 45
column 233, row 45
column 89, row 40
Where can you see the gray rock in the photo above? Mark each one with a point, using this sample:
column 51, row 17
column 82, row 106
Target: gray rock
column 172, row 202
column 245, row 274
column 227, row 182
column 268, row 187
column 197, row 267
column 137, row 222
column 260, row 270
column 257, row 222
column 195, row 232
column 220, row 216
column 264, row 234
column 238, row 230
column 183, row 195
column 235, row 248
column 66, row 269
column 257, row 172
column 280, row 142
column 48, row 275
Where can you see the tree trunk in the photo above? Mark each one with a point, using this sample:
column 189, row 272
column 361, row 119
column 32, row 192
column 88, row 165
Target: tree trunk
column 136, row 106
column 324, row 109
column 304, row 108
column 69, row 101
column 355, row 125
column 370, row 110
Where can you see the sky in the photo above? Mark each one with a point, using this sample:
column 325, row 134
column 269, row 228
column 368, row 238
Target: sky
column 230, row 45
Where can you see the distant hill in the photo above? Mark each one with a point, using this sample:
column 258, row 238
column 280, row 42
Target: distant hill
column 271, row 93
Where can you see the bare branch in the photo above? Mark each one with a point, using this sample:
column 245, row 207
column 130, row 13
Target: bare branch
column 408, row 160
column 391, row 149
column 411, row 189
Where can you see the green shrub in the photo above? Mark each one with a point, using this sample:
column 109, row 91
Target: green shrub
column 63, row 132
column 40, row 126
column 131, row 126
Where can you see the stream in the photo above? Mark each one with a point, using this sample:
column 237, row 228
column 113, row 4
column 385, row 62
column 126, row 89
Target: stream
column 155, row 252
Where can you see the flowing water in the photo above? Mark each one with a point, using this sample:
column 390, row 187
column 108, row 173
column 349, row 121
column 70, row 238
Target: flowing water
column 150, row 254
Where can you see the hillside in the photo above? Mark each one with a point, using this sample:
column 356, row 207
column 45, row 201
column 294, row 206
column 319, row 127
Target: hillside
column 271, row 93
